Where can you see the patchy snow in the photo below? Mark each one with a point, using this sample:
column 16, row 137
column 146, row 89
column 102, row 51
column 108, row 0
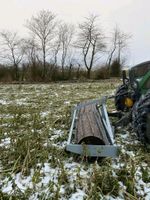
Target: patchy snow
column 113, row 198
column 3, row 102
column 5, row 142
column 79, row 195
column 23, row 182
column 6, row 116
column 21, row 101
column 7, row 188
column 143, row 189
column 71, row 166
column 49, row 174
column 67, row 102
column 44, row 114
column 125, row 136
column 57, row 134
column 130, row 153
column 117, row 165
column 56, row 94
column 44, row 176
column 19, row 183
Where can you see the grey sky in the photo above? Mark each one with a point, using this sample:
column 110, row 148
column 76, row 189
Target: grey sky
column 133, row 16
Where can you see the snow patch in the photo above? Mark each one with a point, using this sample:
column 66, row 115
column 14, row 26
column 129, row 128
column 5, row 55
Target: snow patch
column 78, row 195
column 3, row 102
column 44, row 114
column 5, row 142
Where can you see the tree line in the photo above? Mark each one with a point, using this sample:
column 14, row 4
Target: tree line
column 55, row 50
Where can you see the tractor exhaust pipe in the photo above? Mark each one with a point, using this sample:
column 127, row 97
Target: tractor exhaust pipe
column 124, row 76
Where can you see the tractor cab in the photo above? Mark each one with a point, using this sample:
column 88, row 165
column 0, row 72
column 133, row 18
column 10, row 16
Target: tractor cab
column 139, row 77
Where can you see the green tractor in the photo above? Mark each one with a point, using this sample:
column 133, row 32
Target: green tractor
column 133, row 97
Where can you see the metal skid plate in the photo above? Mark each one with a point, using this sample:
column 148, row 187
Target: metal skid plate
column 94, row 150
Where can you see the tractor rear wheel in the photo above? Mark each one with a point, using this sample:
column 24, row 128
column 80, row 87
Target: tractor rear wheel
column 141, row 118
column 120, row 97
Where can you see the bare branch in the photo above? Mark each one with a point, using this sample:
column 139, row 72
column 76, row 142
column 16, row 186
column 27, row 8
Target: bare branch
column 90, row 40
column 13, row 49
column 43, row 27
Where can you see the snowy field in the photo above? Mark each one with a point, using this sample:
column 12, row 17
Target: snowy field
column 34, row 124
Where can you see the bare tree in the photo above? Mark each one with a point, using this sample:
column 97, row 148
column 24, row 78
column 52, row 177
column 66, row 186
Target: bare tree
column 31, row 49
column 42, row 26
column 56, row 48
column 119, row 42
column 123, row 42
column 113, row 47
column 91, row 41
column 12, row 50
column 32, row 63
column 66, row 35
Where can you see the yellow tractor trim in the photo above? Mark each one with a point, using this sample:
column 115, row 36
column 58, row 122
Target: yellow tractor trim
column 128, row 102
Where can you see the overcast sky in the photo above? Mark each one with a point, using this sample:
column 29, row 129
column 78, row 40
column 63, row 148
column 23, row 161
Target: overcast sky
column 133, row 16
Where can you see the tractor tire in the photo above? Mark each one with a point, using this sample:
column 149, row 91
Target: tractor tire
column 141, row 118
column 120, row 96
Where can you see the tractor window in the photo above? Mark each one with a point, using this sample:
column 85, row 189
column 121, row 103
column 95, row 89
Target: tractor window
column 140, row 70
column 147, row 84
